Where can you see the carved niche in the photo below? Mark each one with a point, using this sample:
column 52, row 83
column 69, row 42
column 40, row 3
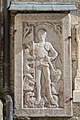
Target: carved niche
column 42, row 65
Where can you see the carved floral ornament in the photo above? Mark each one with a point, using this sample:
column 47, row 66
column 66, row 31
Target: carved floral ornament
column 57, row 27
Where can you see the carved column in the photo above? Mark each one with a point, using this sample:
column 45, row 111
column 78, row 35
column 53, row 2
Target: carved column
column 76, row 92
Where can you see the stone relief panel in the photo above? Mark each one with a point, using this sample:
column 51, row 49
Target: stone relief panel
column 42, row 52
column 41, row 75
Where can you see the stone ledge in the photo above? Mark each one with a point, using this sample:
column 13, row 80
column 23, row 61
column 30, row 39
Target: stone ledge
column 41, row 6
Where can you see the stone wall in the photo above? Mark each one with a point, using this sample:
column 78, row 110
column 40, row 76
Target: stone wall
column 1, row 49
column 75, row 20
column 1, row 62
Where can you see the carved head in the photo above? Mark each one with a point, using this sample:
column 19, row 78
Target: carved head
column 42, row 34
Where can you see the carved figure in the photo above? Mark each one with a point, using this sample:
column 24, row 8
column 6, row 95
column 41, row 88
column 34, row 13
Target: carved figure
column 42, row 64
column 39, row 75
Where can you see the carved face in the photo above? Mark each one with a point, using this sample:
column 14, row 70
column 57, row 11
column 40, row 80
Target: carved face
column 42, row 35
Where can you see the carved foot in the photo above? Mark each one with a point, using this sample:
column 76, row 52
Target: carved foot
column 40, row 104
column 54, row 103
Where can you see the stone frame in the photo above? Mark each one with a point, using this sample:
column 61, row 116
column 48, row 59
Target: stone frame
column 18, row 61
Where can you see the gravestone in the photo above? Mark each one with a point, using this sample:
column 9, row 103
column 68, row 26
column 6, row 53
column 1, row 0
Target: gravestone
column 43, row 73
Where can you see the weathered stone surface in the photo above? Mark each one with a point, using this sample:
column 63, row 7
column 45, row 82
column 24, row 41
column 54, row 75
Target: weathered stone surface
column 1, row 48
column 76, row 96
column 26, row 27
column 1, row 111
column 76, row 109
column 76, row 106
column 72, row 118
column 44, row 0
column 41, row 6
column 76, row 92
